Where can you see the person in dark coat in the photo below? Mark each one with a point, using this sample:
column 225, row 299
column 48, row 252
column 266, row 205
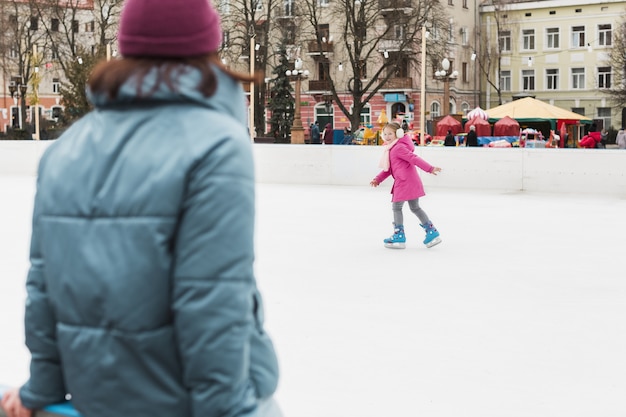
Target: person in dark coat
column 141, row 294
column 315, row 133
column 449, row 140
column 328, row 134
column 472, row 138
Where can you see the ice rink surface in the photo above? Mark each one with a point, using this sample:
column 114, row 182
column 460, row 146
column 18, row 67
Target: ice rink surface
column 521, row 311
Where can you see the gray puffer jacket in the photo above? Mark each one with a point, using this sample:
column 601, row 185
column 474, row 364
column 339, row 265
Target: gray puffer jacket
column 141, row 294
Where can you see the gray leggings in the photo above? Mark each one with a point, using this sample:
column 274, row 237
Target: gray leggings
column 414, row 205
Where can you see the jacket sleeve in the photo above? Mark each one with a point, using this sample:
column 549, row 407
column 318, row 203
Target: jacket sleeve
column 407, row 155
column 382, row 176
column 213, row 282
column 45, row 385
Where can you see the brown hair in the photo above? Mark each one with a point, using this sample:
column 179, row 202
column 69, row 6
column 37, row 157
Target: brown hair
column 108, row 77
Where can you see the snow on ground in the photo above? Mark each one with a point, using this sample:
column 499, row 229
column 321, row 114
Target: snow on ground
column 521, row 311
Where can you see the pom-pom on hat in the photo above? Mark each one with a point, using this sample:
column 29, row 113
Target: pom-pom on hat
column 169, row 28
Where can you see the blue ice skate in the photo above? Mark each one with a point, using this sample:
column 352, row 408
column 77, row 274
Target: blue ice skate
column 432, row 235
column 398, row 240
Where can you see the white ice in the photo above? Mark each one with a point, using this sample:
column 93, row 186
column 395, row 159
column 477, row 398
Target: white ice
column 521, row 311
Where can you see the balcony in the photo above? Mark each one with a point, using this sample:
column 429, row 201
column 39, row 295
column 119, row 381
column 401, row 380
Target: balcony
column 394, row 4
column 403, row 83
column 391, row 45
column 314, row 47
column 319, row 85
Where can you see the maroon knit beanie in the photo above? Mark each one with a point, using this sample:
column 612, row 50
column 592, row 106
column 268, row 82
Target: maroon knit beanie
column 169, row 28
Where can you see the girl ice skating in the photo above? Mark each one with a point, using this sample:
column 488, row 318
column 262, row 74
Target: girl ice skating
column 399, row 161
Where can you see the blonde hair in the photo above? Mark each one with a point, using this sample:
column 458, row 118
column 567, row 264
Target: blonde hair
column 393, row 126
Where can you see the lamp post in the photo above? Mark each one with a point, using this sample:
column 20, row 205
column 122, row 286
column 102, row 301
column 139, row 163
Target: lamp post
column 423, row 90
column 297, row 74
column 18, row 89
column 446, row 76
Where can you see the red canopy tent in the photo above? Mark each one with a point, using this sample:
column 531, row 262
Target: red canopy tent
column 483, row 128
column 448, row 123
column 506, row 127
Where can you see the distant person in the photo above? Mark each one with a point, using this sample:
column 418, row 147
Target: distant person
column 449, row 140
column 604, row 138
column 405, row 126
column 471, row 138
column 328, row 134
column 399, row 162
column 620, row 140
column 141, row 295
column 315, row 133
column 590, row 140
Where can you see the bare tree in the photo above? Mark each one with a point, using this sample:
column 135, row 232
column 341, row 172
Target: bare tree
column 379, row 40
column 77, row 36
column 252, row 23
column 489, row 56
column 617, row 61
column 20, row 36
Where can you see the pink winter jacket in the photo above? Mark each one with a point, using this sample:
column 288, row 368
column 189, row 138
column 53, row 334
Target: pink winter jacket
column 407, row 184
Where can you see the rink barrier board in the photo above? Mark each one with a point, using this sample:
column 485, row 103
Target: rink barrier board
column 581, row 171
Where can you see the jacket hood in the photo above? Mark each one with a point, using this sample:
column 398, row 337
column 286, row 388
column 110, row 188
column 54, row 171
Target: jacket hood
column 228, row 97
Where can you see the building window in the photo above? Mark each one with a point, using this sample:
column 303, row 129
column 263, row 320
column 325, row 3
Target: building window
column 290, row 33
column 450, row 3
column 528, row 80
column 323, row 3
column 258, row 5
column 75, row 26
column 578, row 37
column 604, row 35
column 465, row 108
column 322, row 70
column 54, row 25
column 464, row 36
column 464, row 72
column 89, row 27
column 362, row 69
column 323, row 32
column 552, row 79
column 34, row 23
column 13, row 52
column 465, row 4
column 604, row 77
column 528, row 39
column 398, row 31
column 604, row 113
column 54, row 54
column 505, row 81
column 505, row 41
column 289, row 6
column 578, row 78
column 578, row 110
column 366, row 116
column 435, row 110
column 552, row 38
column 55, row 85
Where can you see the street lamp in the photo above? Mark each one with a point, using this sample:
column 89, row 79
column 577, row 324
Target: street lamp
column 297, row 75
column 446, row 76
column 17, row 88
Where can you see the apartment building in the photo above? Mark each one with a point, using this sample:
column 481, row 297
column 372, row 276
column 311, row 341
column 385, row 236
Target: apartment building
column 554, row 50
column 326, row 57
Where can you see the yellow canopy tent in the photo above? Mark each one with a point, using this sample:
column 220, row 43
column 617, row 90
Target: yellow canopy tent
column 532, row 110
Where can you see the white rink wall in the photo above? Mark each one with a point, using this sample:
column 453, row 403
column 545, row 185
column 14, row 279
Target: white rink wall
column 584, row 171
